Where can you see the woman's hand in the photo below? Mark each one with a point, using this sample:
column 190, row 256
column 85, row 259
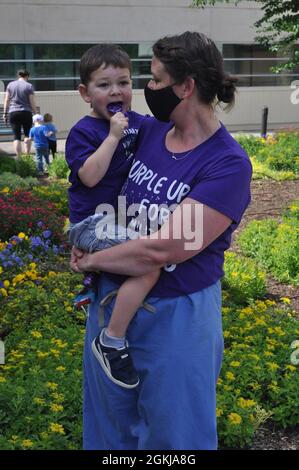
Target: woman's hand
column 76, row 256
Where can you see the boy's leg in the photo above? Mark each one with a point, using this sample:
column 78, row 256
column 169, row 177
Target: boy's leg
column 39, row 160
column 46, row 156
column 110, row 346
column 129, row 298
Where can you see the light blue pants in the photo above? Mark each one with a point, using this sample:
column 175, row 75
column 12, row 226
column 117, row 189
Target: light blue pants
column 177, row 352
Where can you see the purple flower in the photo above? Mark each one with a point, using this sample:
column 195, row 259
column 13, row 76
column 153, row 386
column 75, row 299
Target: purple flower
column 40, row 224
column 47, row 233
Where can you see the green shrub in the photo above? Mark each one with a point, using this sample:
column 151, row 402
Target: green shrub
column 243, row 279
column 25, row 166
column 56, row 193
column 59, row 167
column 275, row 246
column 7, row 164
column 14, row 181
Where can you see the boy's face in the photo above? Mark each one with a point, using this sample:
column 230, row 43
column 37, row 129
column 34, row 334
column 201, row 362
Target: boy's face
column 107, row 85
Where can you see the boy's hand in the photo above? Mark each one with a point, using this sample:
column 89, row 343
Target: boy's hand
column 118, row 123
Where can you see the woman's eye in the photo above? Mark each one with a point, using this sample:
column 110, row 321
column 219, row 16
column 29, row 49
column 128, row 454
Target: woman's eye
column 124, row 83
column 103, row 85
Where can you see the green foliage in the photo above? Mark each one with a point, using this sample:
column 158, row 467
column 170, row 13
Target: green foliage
column 257, row 378
column 7, row 164
column 276, row 157
column 59, row 167
column 278, row 28
column 25, row 166
column 243, row 279
column 14, row 181
column 275, row 246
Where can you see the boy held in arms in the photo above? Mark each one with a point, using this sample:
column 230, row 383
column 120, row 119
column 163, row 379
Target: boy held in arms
column 99, row 152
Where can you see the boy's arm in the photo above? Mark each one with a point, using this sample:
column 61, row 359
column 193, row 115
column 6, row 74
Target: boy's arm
column 96, row 166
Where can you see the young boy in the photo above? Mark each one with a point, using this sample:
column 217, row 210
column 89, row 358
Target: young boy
column 52, row 140
column 39, row 134
column 99, row 152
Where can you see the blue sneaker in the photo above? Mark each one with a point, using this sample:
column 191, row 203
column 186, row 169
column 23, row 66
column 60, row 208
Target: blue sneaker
column 116, row 363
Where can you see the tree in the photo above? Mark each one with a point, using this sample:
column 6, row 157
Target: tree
column 277, row 29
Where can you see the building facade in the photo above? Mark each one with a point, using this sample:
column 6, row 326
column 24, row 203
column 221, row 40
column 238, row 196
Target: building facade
column 49, row 36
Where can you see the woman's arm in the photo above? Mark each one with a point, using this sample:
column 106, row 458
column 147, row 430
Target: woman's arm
column 32, row 103
column 189, row 230
column 6, row 106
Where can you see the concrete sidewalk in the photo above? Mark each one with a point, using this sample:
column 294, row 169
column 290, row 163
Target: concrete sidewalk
column 6, row 148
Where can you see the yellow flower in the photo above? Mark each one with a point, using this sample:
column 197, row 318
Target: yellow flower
column 60, row 368
column 58, row 428
column 6, row 284
column 21, row 235
column 5, row 190
column 272, row 365
column 285, row 300
column 289, row 367
column 54, row 407
column 234, row 418
column 2, row 380
column 36, row 334
column 219, row 381
column 230, row 376
column 41, row 354
column 27, row 443
column 235, row 364
column 3, row 292
column 245, row 403
column 52, row 385
column 219, row 412
column 38, row 401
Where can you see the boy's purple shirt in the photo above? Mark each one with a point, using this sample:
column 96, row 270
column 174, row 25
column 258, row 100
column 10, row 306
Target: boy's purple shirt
column 83, row 140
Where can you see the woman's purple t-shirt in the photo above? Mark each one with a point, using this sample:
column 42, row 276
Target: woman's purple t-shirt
column 83, row 140
column 216, row 173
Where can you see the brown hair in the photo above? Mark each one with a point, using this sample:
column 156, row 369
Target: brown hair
column 193, row 54
column 102, row 54
column 23, row 73
column 48, row 117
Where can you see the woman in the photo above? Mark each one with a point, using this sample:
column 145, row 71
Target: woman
column 19, row 103
column 194, row 163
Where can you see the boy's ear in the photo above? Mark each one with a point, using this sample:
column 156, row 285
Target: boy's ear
column 84, row 93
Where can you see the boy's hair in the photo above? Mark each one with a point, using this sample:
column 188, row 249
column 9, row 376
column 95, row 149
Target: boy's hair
column 48, row 117
column 102, row 54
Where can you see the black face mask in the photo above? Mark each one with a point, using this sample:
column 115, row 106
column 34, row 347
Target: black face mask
column 161, row 102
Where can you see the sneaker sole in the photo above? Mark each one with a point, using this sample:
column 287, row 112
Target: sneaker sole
column 103, row 365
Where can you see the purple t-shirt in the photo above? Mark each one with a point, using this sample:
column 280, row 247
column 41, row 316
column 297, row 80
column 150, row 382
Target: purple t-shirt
column 19, row 92
column 216, row 173
column 83, row 140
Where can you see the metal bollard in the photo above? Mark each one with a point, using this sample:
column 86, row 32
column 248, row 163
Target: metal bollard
column 264, row 122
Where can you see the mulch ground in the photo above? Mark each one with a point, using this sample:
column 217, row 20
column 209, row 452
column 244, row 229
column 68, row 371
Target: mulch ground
column 269, row 199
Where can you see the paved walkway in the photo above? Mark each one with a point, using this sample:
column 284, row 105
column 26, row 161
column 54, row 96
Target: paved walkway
column 6, row 148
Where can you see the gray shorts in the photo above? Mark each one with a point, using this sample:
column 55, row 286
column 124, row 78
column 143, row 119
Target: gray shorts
column 97, row 232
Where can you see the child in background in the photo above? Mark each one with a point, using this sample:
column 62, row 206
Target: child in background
column 52, row 140
column 39, row 134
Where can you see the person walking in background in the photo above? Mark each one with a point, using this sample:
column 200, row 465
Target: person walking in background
column 52, row 140
column 19, row 103
column 39, row 134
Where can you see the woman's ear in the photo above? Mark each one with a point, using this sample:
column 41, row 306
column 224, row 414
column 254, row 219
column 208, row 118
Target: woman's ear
column 84, row 93
column 188, row 87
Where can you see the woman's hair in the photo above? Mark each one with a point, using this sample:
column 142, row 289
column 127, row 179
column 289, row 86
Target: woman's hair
column 48, row 117
column 23, row 73
column 102, row 54
column 193, row 54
